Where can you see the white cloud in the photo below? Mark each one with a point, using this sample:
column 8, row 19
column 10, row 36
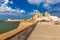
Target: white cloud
column 31, row 13
column 22, row 11
column 52, row 1
column 35, row 1
column 34, row 11
column 5, row 2
column 46, row 4
column 5, row 8
column 11, row 2
column 49, row 2
column 39, row 1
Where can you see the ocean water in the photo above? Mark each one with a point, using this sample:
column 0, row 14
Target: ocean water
column 8, row 26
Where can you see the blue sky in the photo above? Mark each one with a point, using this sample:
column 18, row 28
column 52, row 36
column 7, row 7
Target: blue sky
column 14, row 7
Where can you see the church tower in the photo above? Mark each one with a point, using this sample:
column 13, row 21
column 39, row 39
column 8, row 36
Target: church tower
column 36, row 16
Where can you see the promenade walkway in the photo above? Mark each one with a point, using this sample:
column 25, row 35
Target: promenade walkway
column 45, row 31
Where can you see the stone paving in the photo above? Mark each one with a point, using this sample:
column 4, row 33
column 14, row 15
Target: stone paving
column 45, row 31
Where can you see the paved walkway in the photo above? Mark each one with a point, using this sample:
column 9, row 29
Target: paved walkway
column 45, row 31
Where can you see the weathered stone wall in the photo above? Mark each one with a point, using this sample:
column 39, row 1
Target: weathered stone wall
column 24, row 34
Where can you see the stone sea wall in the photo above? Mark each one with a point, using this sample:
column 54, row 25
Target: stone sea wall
column 23, row 34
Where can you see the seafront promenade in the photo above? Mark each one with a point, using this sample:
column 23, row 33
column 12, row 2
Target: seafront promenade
column 45, row 31
column 38, row 28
